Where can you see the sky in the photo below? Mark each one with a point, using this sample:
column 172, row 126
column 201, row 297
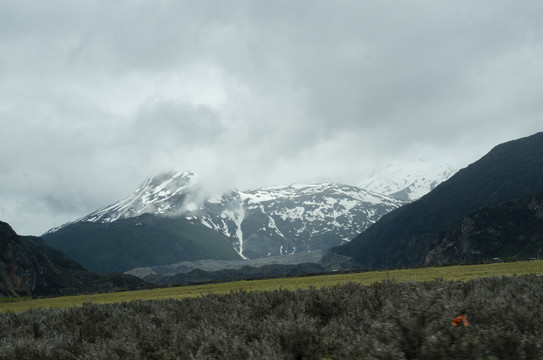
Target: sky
column 96, row 96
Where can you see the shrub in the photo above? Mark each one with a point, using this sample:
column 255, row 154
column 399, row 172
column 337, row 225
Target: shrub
column 386, row 320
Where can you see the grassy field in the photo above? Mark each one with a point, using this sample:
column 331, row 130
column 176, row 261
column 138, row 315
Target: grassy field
column 463, row 272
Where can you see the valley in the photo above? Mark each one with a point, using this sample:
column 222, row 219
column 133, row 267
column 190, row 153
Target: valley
column 167, row 234
column 171, row 230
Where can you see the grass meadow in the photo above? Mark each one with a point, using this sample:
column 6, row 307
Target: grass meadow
column 453, row 273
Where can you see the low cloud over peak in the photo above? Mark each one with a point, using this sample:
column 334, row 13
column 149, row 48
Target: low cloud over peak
column 95, row 97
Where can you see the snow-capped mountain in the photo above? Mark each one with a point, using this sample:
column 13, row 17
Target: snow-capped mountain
column 407, row 181
column 286, row 219
column 270, row 221
column 164, row 194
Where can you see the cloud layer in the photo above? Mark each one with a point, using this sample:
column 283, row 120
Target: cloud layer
column 96, row 96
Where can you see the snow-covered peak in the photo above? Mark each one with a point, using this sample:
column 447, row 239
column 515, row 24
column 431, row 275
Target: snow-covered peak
column 162, row 194
column 408, row 181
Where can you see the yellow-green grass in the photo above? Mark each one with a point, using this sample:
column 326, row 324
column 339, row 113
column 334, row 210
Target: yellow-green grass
column 460, row 272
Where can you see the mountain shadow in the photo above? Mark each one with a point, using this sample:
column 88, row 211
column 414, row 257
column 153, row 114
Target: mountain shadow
column 403, row 237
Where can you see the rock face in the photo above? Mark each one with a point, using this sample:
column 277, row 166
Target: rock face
column 18, row 264
column 513, row 229
column 29, row 267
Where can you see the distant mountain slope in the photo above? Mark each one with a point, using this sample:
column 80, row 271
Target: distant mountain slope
column 144, row 240
column 29, row 267
column 510, row 230
column 271, row 221
column 510, row 171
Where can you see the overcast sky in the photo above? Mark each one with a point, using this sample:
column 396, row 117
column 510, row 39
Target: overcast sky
column 95, row 96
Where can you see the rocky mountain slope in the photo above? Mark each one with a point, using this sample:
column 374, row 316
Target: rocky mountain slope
column 29, row 267
column 510, row 171
column 302, row 218
column 266, row 222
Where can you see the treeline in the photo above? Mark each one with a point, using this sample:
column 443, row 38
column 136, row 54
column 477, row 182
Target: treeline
column 198, row 276
column 386, row 320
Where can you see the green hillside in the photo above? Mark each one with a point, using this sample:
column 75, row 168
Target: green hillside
column 141, row 241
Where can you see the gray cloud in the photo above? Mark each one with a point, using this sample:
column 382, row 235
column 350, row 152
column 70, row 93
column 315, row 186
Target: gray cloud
column 169, row 124
column 96, row 96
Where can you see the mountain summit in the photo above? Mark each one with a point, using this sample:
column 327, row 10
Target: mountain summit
column 162, row 194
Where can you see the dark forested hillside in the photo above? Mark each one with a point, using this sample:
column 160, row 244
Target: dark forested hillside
column 510, row 230
column 145, row 240
column 29, row 267
column 245, row 273
column 510, row 171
